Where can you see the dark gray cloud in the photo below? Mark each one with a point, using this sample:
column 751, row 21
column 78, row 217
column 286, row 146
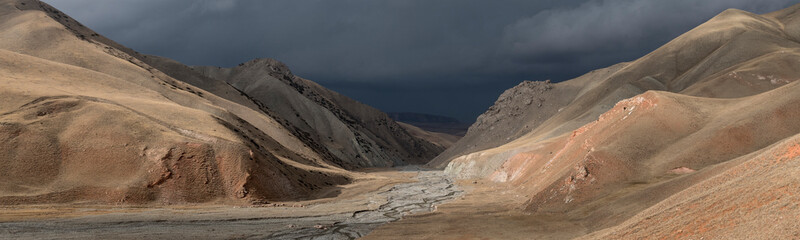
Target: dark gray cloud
column 450, row 57
column 601, row 27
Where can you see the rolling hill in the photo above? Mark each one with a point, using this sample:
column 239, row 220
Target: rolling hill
column 697, row 138
column 86, row 120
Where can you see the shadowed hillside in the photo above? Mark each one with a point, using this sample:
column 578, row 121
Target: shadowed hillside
column 85, row 119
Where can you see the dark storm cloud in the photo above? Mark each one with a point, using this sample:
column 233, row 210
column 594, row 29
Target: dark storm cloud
column 451, row 57
column 603, row 27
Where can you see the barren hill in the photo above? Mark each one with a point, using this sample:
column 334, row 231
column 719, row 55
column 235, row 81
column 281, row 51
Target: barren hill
column 697, row 138
column 735, row 54
column 350, row 133
column 84, row 119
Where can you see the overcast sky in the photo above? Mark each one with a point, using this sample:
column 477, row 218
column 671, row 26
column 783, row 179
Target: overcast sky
column 446, row 57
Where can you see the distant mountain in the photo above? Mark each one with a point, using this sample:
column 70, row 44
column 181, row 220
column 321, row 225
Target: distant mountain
column 420, row 117
column 432, row 123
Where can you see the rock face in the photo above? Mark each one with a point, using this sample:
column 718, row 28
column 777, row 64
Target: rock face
column 346, row 133
column 84, row 119
column 529, row 103
column 702, row 119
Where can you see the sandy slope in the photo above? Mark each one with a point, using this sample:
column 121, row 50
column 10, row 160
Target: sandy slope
column 86, row 120
column 654, row 147
column 735, row 54
column 751, row 197
column 82, row 121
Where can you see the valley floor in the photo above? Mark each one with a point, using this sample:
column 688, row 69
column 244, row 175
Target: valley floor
column 380, row 197
column 487, row 210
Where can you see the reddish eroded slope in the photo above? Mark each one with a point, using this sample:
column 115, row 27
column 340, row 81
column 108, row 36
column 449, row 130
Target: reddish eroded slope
column 735, row 54
column 724, row 93
column 753, row 197
column 636, row 154
column 518, row 111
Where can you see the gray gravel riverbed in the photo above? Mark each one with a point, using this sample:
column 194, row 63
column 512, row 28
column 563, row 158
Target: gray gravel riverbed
column 431, row 188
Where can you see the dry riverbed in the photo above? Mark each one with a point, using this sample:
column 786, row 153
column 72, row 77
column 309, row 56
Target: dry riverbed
column 360, row 208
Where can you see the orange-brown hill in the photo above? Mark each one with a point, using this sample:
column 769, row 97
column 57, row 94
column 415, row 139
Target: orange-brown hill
column 735, row 54
column 696, row 139
column 84, row 119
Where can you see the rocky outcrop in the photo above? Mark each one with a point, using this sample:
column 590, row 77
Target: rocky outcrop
column 346, row 133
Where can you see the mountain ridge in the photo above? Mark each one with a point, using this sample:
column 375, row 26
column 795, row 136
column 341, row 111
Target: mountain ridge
column 676, row 128
column 181, row 142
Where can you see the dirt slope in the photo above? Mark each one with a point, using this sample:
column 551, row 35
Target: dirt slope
column 657, row 145
column 350, row 134
column 84, row 120
column 752, row 197
column 518, row 111
column 735, row 54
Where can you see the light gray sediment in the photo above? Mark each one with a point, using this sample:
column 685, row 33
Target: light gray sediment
column 431, row 189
